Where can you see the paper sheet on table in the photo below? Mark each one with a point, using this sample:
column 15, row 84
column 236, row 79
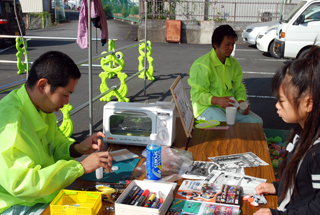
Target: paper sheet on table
column 201, row 169
column 248, row 159
column 122, row 154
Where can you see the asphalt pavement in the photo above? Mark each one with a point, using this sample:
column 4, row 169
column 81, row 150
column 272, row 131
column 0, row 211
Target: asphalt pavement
column 170, row 60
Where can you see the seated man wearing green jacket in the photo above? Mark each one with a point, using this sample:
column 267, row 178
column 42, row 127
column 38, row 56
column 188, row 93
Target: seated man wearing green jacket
column 36, row 159
column 216, row 77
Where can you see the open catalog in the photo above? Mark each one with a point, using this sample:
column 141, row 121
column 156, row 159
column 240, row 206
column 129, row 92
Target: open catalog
column 196, row 197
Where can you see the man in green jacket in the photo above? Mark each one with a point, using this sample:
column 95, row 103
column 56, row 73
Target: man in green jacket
column 216, row 77
column 36, row 159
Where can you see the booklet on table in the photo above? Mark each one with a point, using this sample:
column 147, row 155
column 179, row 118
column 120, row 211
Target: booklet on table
column 198, row 197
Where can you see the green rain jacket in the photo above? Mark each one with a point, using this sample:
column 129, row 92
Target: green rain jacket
column 34, row 155
column 209, row 77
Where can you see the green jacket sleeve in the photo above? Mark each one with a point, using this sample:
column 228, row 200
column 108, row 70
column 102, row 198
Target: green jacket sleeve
column 29, row 173
column 60, row 143
column 199, row 82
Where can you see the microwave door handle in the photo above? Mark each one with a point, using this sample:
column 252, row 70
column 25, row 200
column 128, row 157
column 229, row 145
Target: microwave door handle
column 132, row 113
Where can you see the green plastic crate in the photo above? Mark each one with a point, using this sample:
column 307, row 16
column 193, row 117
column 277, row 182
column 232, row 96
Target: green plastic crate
column 284, row 134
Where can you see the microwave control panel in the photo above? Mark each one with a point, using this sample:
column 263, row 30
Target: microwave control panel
column 163, row 127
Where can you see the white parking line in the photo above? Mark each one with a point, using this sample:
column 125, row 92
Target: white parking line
column 261, row 97
column 248, row 50
column 262, row 59
column 2, row 50
column 263, row 73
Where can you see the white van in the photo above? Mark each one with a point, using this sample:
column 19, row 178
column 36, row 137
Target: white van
column 299, row 30
column 75, row 4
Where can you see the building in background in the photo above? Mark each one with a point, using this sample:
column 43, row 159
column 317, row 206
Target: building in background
column 43, row 13
column 292, row 1
column 35, row 6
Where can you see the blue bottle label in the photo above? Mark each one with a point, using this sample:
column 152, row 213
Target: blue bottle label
column 154, row 164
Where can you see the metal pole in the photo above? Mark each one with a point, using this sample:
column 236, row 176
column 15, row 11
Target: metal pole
column 79, row 63
column 70, row 38
column 14, row 84
column 235, row 11
column 145, row 45
column 90, row 67
column 44, row 38
column 24, row 44
column 281, row 10
column 99, row 96
column 108, row 53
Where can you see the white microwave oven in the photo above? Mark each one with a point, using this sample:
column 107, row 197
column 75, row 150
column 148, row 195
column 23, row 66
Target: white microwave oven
column 132, row 123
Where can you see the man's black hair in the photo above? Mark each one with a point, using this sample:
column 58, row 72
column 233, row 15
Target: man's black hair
column 57, row 67
column 220, row 32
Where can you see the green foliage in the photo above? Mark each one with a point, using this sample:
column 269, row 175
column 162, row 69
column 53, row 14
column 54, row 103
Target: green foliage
column 218, row 17
column 165, row 9
column 108, row 10
column 124, row 11
column 134, row 10
column 40, row 15
column 117, row 8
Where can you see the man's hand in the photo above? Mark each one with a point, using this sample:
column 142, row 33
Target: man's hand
column 223, row 102
column 265, row 188
column 90, row 144
column 263, row 211
column 96, row 160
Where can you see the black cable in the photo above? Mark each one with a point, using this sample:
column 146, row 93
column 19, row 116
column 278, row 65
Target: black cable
column 187, row 144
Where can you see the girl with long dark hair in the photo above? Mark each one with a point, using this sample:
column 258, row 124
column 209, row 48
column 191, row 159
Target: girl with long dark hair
column 297, row 89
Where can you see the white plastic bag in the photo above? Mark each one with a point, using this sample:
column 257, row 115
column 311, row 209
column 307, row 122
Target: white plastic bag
column 172, row 160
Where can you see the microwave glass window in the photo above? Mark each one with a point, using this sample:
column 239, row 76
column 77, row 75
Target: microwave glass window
column 130, row 126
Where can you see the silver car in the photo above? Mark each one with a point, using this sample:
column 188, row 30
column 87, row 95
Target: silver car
column 250, row 33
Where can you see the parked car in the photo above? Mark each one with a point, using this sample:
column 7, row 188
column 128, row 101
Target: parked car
column 250, row 33
column 299, row 30
column 8, row 23
column 71, row 5
column 75, row 4
column 265, row 40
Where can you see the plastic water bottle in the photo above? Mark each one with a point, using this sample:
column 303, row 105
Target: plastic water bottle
column 153, row 159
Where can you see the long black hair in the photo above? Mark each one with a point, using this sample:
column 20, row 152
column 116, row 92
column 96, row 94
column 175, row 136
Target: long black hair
column 300, row 78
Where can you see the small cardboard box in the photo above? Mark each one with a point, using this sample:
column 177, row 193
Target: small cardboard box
column 166, row 188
